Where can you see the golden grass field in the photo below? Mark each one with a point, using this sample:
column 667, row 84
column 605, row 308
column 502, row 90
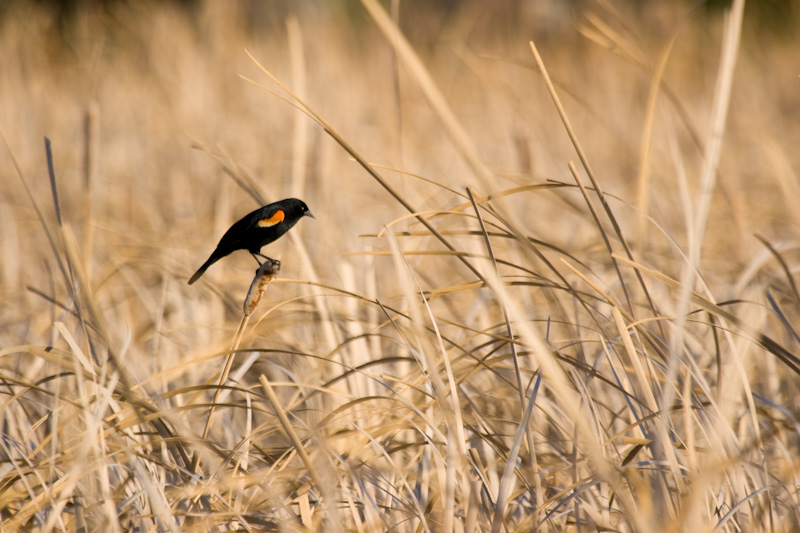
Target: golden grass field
column 509, row 314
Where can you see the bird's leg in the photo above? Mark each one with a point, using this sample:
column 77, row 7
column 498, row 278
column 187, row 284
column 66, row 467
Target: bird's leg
column 259, row 254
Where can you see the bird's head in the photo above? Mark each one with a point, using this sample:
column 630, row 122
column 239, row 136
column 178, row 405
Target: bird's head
column 300, row 207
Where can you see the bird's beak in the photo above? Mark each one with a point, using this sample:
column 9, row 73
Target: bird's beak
column 309, row 214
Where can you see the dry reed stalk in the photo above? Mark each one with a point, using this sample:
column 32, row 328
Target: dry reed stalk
column 267, row 272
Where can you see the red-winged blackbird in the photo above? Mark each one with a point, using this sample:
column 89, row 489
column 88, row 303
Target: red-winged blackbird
column 257, row 229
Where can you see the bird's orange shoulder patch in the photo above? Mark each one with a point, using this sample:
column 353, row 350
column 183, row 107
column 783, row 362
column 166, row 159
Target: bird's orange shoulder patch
column 277, row 218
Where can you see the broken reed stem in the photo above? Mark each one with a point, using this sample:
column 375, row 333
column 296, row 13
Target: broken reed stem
column 268, row 270
column 264, row 276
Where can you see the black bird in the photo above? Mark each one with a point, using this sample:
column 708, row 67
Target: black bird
column 259, row 228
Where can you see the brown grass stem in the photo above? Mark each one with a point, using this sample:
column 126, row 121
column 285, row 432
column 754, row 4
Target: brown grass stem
column 264, row 276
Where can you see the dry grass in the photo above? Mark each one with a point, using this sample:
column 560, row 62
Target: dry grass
column 508, row 315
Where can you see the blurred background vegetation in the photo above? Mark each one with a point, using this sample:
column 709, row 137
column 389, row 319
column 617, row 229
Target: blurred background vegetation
column 158, row 146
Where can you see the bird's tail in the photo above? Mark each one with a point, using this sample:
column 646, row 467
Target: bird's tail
column 200, row 271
